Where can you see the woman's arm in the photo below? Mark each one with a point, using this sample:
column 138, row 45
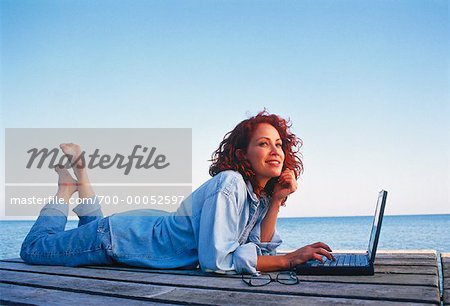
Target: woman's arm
column 285, row 186
column 272, row 263
column 270, row 220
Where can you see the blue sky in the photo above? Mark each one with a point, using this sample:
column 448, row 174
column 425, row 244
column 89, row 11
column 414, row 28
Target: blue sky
column 366, row 84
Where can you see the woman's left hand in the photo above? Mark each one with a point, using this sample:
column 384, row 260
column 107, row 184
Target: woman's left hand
column 286, row 185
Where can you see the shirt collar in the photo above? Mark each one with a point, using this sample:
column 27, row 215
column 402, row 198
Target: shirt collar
column 250, row 192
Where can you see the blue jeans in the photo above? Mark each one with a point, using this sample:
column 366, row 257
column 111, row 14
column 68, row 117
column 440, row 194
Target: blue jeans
column 48, row 243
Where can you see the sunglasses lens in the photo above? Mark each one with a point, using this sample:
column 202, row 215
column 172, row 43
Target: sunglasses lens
column 260, row 280
column 287, row 278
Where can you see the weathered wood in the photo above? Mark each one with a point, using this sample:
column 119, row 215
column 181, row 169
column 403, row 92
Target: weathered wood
column 445, row 257
column 227, row 298
column 380, row 272
column 427, row 270
column 378, row 278
column 147, row 292
column 445, row 260
column 418, row 254
column 379, row 268
column 128, row 279
column 14, row 294
column 446, row 283
column 405, row 262
column 409, row 277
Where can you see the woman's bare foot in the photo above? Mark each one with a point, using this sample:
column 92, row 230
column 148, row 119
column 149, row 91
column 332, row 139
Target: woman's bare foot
column 67, row 185
column 75, row 156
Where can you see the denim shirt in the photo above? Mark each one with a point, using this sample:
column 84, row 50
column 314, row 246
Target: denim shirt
column 216, row 227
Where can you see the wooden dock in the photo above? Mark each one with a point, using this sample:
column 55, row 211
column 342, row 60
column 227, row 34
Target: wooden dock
column 445, row 260
column 400, row 277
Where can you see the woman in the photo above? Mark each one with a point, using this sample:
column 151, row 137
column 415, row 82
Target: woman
column 227, row 224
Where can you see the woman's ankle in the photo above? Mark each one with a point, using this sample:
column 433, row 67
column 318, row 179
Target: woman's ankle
column 63, row 194
column 81, row 174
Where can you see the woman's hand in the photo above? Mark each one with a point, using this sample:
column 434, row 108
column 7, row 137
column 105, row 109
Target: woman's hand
column 312, row 251
column 286, row 185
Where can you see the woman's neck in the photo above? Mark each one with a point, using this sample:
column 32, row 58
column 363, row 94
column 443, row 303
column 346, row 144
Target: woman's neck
column 258, row 190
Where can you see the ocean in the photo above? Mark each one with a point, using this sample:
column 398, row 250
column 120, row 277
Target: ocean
column 431, row 232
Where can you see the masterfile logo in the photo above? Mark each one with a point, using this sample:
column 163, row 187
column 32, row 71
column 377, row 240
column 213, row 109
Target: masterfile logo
column 94, row 160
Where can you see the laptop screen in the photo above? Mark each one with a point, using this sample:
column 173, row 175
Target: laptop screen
column 376, row 227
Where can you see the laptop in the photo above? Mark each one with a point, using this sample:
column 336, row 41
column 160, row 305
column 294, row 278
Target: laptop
column 350, row 264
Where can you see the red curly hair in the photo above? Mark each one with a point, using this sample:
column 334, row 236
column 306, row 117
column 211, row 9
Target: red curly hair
column 225, row 157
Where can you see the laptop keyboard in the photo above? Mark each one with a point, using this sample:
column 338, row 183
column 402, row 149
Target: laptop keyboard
column 342, row 260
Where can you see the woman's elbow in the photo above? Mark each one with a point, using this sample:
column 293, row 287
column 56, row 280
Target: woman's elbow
column 210, row 262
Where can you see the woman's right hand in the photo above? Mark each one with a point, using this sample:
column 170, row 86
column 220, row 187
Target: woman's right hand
column 312, row 251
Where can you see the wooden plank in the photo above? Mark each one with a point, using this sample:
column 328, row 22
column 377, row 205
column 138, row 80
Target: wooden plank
column 224, row 298
column 14, row 294
column 446, row 273
column 401, row 269
column 432, row 256
column 331, row 290
column 445, row 257
column 445, row 260
column 181, row 295
column 378, row 278
column 428, row 270
column 409, row 252
column 447, row 283
column 406, row 261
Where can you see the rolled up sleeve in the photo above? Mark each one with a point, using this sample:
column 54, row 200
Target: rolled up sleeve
column 219, row 250
column 269, row 248
column 245, row 258
column 264, row 248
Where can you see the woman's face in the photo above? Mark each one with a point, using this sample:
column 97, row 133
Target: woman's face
column 265, row 153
